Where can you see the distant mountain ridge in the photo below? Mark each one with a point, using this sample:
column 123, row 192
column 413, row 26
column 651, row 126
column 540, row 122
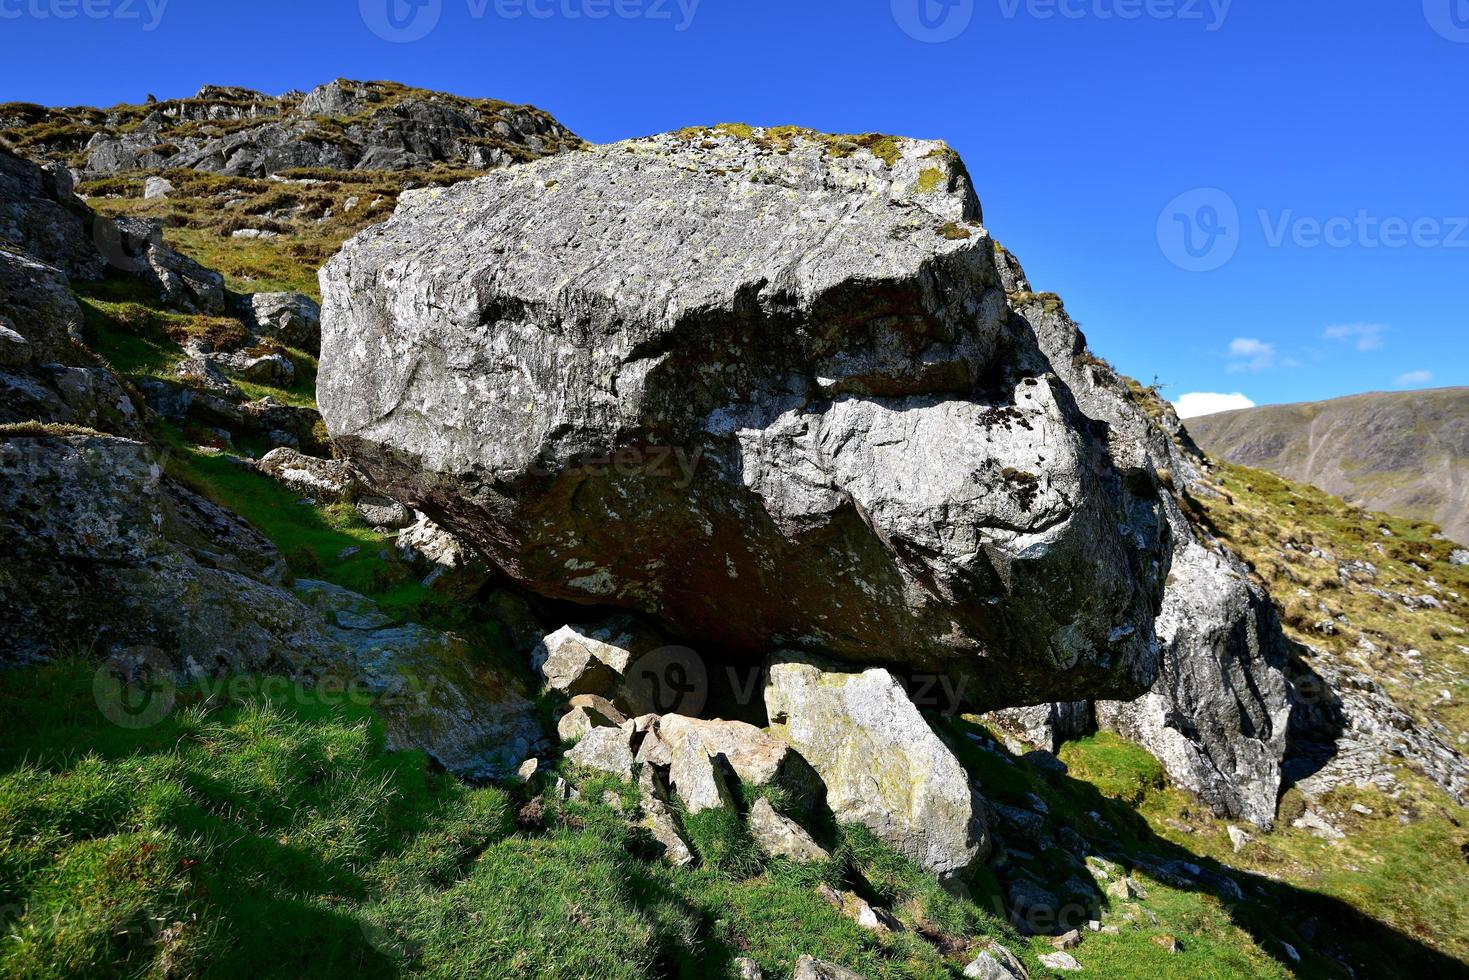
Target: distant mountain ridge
column 1404, row 453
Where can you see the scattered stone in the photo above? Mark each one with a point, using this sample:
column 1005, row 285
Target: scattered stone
column 810, row 968
column 582, row 659
column 528, row 769
column 322, row 479
column 698, row 779
column 748, row 969
column 1459, row 556
column 1238, row 838
column 1167, row 943
column 606, row 750
column 578, row 721
column 1318, row 825
column 1290, row 952
column 757, row 757
column 384, row 512
column 157, row 188
column 996, row 962
column 291, row 318
column 1059, row 961
column 882, row 765
column 1126, row 888
column 1067, row 940
column 780, row 836
column 859, row 911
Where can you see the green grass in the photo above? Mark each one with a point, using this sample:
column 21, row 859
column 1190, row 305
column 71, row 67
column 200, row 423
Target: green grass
column 1116, row 767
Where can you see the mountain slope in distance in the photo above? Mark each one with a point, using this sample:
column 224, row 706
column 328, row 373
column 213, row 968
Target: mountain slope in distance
column 1405, row 453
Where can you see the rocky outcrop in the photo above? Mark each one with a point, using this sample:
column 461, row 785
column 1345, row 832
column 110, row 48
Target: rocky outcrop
column 343, row 125
column 108, row 554
column 881, row 764
column 642, row 376
column 315, row 479
column 1218, row 715
column 291, row 318
column 40, row 215
column 434, row 692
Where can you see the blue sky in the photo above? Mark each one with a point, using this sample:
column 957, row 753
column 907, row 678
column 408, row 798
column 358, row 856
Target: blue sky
column 1266, row 197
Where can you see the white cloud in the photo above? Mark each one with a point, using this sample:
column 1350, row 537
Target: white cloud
column 1196, row 403
column 1363, row 336
column 1250, row 354
column 1414, row 378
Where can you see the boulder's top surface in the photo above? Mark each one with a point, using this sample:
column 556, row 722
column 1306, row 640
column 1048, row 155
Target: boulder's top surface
column 770, row 370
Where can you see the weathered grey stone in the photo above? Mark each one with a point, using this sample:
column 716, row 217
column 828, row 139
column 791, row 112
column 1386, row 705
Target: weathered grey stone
column 748, row 969
column 878, row 463
column 384, row 512
column 435, row 693
column 39, row 215
column 101, row 545
column 858, row 910
column 882, row 765
column 1218, row 717
column 291, row 318
column 756, row 757
column 1059, row 961
column 810, row 968
column 698, row 778
column 1238, row 838
column 319, row 479
column 157, row 188
column 586, row 715
column 136, row 245
column 996, row 962
column 606, row 750
column 1045, row 726
column 450, row 567
column 780, row 836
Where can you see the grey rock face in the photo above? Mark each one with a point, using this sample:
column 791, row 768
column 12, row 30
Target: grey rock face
column 40, row 215
column 688, row 375
column 136, row 245
column 291, row 318
column 810, row 968
column 780, row 836
column 882, row 765
column 607, row 750
column 1218, row 714
column 449, row 566
column 434, row 692
column 107, row 554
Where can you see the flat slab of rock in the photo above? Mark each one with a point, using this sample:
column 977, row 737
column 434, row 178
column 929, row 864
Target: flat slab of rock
column 319, row 479
column 883, row 766
column 780, row 836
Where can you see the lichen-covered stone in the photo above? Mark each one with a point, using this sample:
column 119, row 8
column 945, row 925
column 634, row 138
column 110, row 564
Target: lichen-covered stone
column 780, row 836
column 881, row 763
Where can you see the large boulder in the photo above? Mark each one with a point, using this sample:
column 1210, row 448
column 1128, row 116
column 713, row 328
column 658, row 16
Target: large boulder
column 769, row 372
column 881, row 763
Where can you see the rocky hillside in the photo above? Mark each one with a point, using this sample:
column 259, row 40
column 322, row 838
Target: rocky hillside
column 1404, row 452
column 235, row 132
column 728, row 565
